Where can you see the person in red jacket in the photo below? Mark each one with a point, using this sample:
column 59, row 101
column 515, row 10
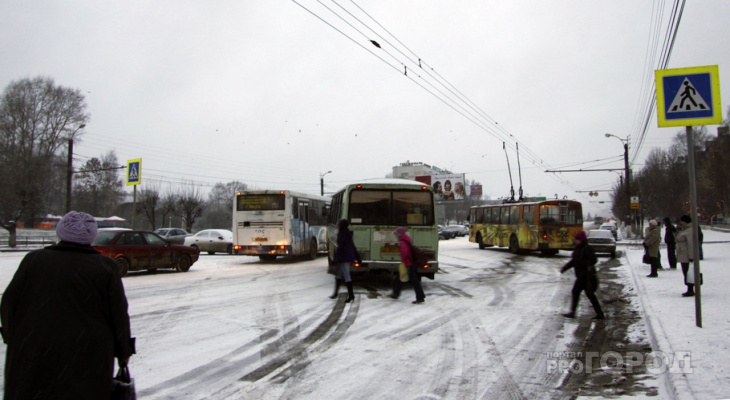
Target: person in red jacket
column 406, row 258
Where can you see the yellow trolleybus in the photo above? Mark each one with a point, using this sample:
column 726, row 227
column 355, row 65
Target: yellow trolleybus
column 546, row 226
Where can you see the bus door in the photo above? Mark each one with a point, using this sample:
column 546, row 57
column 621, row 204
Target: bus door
column 303, row 235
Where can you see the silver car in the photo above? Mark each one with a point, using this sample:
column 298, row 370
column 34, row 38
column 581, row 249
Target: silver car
column 212, row 241
column 602, row 241
column 173, row 235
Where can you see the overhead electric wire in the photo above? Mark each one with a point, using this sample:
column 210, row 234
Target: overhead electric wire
column 495, row 130
column 670, row 36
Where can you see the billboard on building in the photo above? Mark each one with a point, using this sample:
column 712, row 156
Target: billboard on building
column 448, row 187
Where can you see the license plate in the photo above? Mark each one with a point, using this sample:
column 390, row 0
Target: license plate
column 390, row 250
column 261, row 239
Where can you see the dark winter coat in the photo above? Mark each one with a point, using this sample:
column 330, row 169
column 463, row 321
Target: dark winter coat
column 582, row 260
column 64, row 319
column 670, row 233
column 346, row 251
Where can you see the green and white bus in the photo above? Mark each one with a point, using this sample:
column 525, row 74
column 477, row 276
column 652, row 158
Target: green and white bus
column 375, row 208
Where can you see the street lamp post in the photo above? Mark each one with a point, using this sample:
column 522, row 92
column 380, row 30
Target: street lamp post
column 321, row 182
column 70, row 167
column 626, row 162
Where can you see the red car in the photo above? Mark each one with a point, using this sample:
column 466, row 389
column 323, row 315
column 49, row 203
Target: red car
column 139, row 250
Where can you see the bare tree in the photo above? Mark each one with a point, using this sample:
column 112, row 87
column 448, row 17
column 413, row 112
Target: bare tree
column 168, row 205
column 219, row 207
column 149, row 198
column 37, row 118
column 190, row 206
column 98, row 187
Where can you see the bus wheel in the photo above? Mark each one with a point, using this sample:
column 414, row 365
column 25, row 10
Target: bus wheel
column 479, row 240
column 514, row 245
column 313, row 250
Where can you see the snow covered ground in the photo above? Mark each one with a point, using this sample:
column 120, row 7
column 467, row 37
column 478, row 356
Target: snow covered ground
column 672, row 319
column 237, row 328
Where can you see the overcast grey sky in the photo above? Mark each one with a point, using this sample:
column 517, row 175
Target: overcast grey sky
column 275, row 92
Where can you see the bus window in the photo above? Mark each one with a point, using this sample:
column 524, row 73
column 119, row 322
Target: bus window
column 528, row 214
column 495, row 216
column 514, row 215
column 478, row 217
column 369, row 207
column 549, row 214
column 260, row 202
column 412, row 208
column 572, row 215
column 504, row 218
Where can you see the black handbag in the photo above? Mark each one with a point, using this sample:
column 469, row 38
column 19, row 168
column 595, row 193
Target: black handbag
column 123, row 386
column 646, row 259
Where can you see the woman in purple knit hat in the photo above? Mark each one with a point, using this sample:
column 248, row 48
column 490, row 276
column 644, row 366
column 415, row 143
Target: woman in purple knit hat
column 64, row 319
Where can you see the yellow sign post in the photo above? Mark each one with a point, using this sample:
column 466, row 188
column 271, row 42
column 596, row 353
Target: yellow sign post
column 134, row 172
column 134, row 178
column 688, row 97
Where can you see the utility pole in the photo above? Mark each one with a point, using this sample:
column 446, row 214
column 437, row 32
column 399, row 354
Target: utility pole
column 69, row 174
column 70, row 168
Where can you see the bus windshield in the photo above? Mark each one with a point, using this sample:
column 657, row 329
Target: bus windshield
column 260, row 202
column 391, row 207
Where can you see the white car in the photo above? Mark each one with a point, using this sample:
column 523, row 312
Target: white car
column 212, row 241
column 610, row 226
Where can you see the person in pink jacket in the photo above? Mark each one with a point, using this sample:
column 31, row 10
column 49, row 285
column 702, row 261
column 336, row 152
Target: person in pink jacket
column 406, row 258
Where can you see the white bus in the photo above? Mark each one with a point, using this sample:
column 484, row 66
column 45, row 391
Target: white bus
column 272, row 223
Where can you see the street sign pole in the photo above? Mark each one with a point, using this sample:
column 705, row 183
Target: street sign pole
column 690, row 97
column 134, row 178
column 695, row 227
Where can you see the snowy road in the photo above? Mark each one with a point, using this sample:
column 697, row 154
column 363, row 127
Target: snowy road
column 238, row 328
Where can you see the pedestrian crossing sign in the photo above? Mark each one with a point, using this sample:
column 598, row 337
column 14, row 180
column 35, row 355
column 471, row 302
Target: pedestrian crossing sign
column 688, row 96
column 134, row 172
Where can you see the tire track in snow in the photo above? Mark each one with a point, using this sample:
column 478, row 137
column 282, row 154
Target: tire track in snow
column 222, row 370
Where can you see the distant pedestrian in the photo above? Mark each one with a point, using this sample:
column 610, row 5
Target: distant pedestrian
column 64, row 317
column 345, row 255
column 651, row 243
column 685, row 250
column 406, row 258
column 669, row 238
column 583, row 261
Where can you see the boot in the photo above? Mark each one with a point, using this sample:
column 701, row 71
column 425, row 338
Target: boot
column 350, row 292
column 690, row 291
column 337, row 289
